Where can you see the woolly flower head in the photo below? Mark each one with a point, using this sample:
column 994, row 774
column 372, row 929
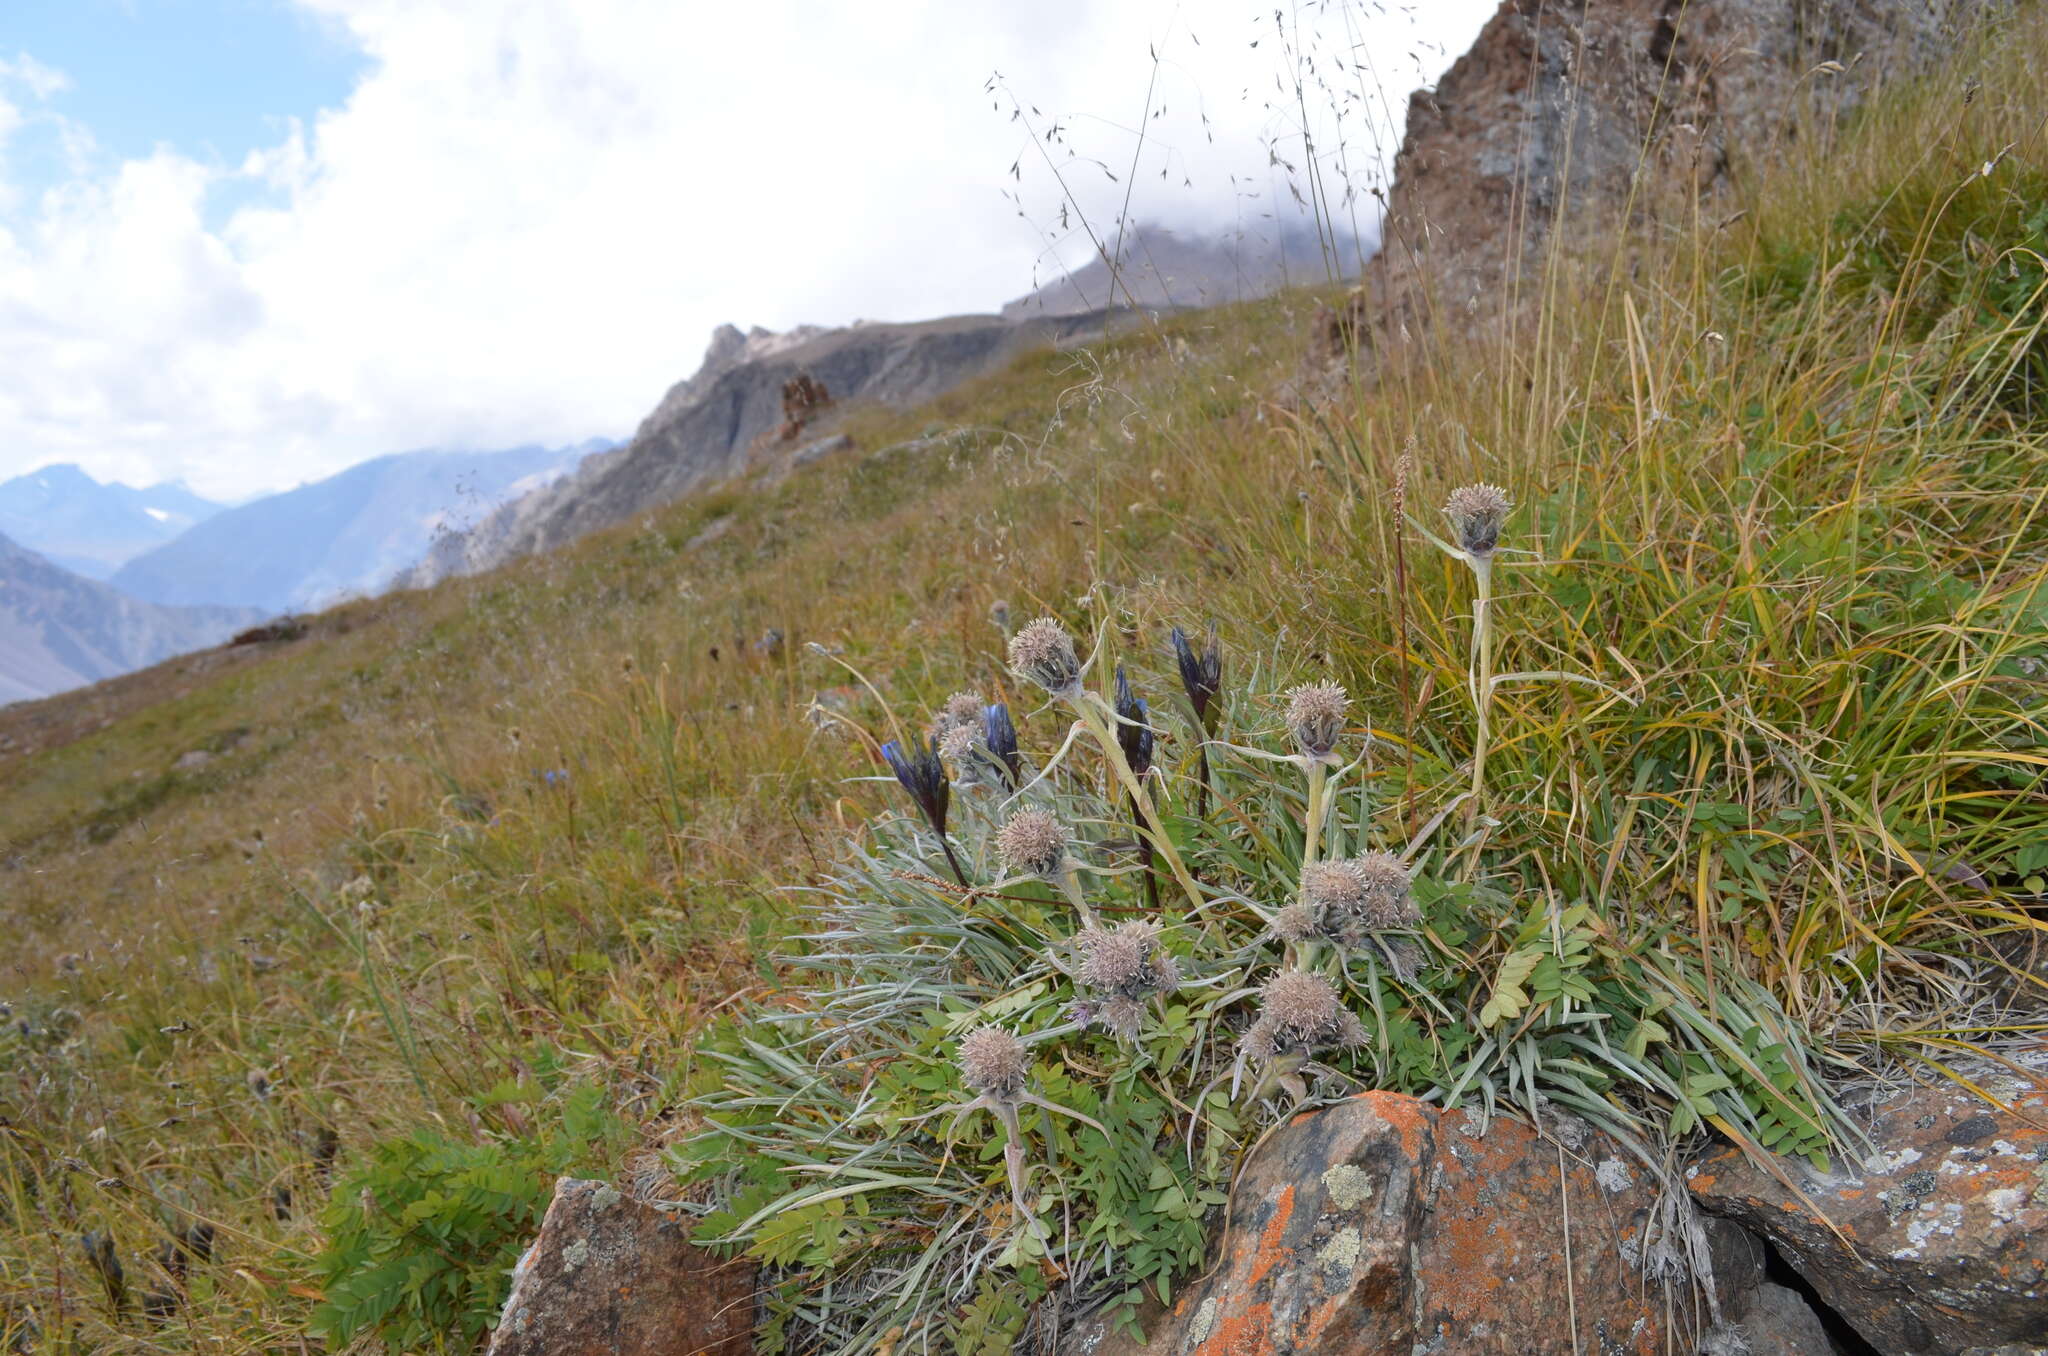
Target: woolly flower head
column 1043, row 653
column 1347, row 899
column 1315, row 717
column 1032, row 843
column 1388, row 902
column 962, row 710
column 993, row 1062
column 1332, row 885
column 1295, row 923
column 1476, row 513
column 1128, row 961
column 956, row 746
column 1120, row 1016
column 1299, row 1014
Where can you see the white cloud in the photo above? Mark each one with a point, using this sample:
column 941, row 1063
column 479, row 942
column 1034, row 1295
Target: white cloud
column 525, row 220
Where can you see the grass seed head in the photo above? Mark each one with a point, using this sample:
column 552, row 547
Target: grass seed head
column 1315, row 717
column 1043, row 653
column 1033, row 843
column 1476, row 513
column 993, row 1062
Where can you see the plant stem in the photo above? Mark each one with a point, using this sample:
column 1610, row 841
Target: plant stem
column 1146, row 854
column 1070, row 885
column 1092, row 711
column 953, row 862
column 1318, row 779
column 1482, row 688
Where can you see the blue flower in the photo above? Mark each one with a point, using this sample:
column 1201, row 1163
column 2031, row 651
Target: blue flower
column 1201, row 676
column 999, row 737
column 923, row 775
column 1133, row 730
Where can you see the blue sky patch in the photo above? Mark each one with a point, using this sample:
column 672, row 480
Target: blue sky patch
column 214, row 79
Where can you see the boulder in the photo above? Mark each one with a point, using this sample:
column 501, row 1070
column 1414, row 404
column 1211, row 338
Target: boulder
column 1776, row 1319
column 1383, row 1224
column 1943, row 1230
column 608, row 1276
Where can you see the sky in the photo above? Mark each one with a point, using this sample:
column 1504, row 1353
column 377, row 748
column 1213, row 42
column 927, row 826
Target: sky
column 249, row 243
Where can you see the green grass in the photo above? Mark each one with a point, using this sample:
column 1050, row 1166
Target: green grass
column 1783, row 484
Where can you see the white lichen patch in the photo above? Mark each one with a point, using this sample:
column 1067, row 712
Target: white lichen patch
column 1341, row 1252
column 1935, row 1219
column 2006, row 1204
column 1613, row 1176
column 576, row 1253
column 605, row 1197
column 1349, row 1186
column 1893, row 1161
column 1204, row 1319
column 1957, row 1166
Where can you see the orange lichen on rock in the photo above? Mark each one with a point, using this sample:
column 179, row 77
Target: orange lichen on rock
column 1367, row 1225
column 1270, row 1251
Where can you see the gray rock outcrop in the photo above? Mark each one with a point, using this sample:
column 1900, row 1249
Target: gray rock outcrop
column 1385, row 1225
column 1560, row 110
column 1938, row 1243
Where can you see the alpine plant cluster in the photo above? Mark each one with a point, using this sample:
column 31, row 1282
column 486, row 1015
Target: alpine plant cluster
column 1123, row 973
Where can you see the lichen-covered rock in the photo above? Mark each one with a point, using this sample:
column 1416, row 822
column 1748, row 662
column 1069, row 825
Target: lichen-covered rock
column 1946, row 1225
column 608, row 1276
column 1382, row 1224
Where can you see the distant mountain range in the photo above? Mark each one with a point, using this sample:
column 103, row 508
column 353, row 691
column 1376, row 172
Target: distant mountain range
column 181, row 572
column 64, row 515
column 59, row 630
column 347, row 535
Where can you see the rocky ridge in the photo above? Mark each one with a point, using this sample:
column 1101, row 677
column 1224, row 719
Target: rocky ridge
column 705, row 428
column 710, row 426
column 1561, row 111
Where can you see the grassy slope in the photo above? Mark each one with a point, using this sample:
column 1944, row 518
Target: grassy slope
column 1771, row 478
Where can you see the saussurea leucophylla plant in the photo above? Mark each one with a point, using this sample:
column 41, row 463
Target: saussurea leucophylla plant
column 1040, row 1020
